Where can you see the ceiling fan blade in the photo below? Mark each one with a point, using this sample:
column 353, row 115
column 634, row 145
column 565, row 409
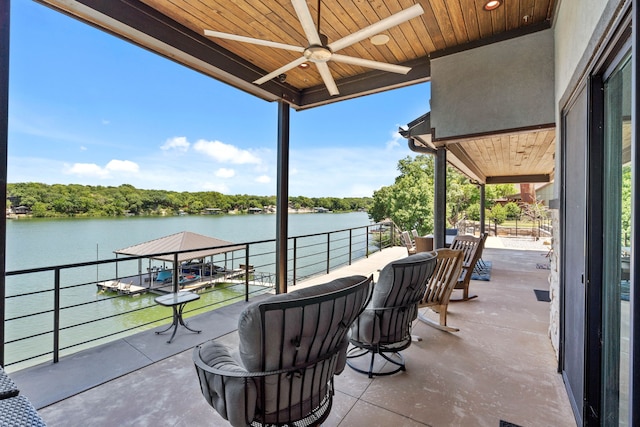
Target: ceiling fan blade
column 393, row 68
column 308, row 26
column 378, row 27
column 260, row 42
column 281, row 70
column 323, row 68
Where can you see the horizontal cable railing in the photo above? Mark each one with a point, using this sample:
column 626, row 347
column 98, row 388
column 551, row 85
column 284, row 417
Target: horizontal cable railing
column 58, row 310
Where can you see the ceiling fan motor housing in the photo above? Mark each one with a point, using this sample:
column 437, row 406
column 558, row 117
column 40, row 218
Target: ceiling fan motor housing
column 317, row 53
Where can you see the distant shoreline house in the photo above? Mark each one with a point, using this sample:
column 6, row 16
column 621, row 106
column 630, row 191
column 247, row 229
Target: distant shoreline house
column 17, row 211
column 21, row 210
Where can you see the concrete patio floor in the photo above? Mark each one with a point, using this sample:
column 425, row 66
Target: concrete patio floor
column 500, row 366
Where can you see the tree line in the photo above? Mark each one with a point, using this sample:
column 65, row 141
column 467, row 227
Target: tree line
column 408, row 202
column 58, row 200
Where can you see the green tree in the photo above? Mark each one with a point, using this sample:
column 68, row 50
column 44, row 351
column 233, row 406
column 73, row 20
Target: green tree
column 498, row 214
column 84, row 200
column 512, row 210
column 473, row 212
column 39, row 210
column 625, row 214
column 499, row 191
column 409, row 201
column 381, row 206
column 460, row 196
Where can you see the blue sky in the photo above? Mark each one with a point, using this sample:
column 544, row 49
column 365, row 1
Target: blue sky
column 88, row 108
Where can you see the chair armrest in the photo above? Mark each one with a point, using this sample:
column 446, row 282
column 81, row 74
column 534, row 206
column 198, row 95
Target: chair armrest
column 366, row 328
column 231, row 389
column 225, row 384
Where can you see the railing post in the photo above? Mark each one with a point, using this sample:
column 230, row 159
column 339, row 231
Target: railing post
column 4, row 132
column 176, row 273
column 351, row 242
column 56, row 316
column 295, row 259
column 366, row 244
column 328, row 252
column 246, row 273
column 393, row 234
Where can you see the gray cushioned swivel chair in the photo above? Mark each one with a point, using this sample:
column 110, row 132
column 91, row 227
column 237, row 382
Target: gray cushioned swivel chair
column 290, row 347
column 384, row 327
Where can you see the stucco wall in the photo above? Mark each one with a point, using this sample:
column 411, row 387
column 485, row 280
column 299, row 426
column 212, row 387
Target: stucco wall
column 505, row 85
column 578, row 29
column 575, row 33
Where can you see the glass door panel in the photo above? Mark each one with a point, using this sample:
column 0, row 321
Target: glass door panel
column 617, row 205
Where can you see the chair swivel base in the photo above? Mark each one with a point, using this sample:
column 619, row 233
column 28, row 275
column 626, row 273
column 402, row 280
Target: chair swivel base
column 378, row 365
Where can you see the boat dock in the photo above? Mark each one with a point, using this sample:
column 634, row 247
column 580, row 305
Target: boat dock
column 146, row 282
column 122, row 287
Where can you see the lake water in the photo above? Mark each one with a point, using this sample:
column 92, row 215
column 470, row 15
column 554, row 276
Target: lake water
column 33, row 243
column 44, row 242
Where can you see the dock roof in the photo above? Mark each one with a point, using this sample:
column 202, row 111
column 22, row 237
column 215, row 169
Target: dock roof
column 201, row 246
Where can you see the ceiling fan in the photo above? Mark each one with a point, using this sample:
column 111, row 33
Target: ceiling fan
column 320, row 52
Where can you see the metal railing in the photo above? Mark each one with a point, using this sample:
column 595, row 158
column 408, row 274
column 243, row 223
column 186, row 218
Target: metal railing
column 58, row 310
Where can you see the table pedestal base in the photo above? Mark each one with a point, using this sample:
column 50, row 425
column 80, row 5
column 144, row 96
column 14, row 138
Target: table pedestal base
column 177, row 302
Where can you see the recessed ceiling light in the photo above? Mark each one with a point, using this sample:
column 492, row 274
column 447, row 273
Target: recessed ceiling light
column 492, row 4
column 304, row 65
column 379, row 39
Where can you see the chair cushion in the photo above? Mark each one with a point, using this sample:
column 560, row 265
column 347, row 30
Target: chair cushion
column 374, row 327
column 384, row 285
column 250, row 327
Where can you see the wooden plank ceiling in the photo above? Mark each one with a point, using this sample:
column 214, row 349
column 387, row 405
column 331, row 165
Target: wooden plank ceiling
column 175, row 29
column 507, row 158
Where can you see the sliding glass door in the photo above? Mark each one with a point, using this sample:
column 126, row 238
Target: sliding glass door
column 617, row 248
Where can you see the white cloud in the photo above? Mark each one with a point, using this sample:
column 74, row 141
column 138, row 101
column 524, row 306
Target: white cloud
column 225, row 173
column 122, row 166
column 263, row 179
column 394, row 141
column 89, row 170
column 105, row 122
column 83, row 148
column 225, row 153
column 178, row 143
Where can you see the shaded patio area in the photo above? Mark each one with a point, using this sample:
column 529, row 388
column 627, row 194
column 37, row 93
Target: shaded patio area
column 499, row 367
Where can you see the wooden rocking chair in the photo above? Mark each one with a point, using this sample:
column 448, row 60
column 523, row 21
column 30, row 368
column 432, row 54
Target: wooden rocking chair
column 408, row 243
column 472, row 247
column 441, row 284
